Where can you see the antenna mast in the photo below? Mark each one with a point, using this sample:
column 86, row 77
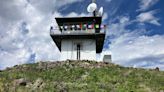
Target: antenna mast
column 94, row 13
column 93, row 1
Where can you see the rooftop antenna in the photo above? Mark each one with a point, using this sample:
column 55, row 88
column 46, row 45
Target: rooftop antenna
column 100, row 12
column 92, row 8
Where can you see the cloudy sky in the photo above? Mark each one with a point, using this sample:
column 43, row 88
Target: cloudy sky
column 135, row 34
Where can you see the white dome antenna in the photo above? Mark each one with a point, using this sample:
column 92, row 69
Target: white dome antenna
column 92, row 7
column 101, row 10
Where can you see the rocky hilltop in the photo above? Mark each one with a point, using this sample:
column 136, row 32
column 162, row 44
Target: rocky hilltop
column 80, row 76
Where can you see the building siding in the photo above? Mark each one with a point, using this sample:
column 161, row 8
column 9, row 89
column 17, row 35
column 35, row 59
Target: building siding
column 87, row 51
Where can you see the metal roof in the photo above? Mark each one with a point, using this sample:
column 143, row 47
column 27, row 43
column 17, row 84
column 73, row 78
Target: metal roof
column 61, row 21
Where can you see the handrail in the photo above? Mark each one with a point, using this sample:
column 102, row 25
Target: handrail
column 56, row 31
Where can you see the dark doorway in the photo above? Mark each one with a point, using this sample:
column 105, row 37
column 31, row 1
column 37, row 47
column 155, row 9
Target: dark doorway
column 78, row 51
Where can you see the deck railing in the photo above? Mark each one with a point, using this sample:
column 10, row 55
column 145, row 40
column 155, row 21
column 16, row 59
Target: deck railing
column 87, row 31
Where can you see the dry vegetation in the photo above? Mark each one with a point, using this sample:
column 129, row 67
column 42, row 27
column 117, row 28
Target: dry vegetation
column 79, row 76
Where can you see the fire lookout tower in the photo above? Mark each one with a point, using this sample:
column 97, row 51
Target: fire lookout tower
column 80, row 38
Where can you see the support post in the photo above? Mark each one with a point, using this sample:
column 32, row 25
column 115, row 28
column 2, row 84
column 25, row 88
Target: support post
column 94, row 13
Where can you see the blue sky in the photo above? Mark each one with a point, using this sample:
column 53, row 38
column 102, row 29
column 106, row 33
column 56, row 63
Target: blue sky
column 134, row 35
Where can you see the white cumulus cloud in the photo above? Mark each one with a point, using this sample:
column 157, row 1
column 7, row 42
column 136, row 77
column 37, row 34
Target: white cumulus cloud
column 24, row 30
column 146, row 4
column 132, row 47
column 148, row 17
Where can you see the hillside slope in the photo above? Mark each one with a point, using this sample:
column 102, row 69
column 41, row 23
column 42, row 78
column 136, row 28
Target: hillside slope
column 79, row 76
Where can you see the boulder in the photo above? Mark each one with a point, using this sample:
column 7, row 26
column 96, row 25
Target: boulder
column 38, row 84
column 20, row 82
